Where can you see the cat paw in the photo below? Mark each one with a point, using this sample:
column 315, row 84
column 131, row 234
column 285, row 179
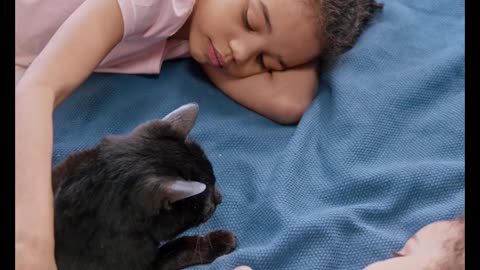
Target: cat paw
column 222, row 241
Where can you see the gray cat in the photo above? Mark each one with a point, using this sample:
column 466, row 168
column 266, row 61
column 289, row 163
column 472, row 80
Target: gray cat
column 116, row 202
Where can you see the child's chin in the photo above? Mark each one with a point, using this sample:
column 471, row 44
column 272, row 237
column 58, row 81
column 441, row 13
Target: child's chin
column 195, row 53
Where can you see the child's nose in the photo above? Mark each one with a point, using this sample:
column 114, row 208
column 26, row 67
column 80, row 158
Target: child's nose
column 243, row 50
column 228, row 58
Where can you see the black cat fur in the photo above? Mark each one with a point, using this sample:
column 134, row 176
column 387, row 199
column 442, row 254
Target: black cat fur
column 116, row 202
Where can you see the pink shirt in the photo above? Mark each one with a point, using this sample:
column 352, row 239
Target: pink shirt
column 147, row 26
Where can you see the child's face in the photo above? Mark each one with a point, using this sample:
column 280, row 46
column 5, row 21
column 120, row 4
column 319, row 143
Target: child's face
column 247, row 41
column 424, row 249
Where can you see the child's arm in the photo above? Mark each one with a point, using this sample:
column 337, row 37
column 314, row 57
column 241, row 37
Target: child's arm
column 281, row 96
column 68, row 59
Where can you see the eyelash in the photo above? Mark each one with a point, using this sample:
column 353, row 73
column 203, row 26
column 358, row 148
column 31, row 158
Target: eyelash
column 249, row 28
column 260, row 61
column 245, row 21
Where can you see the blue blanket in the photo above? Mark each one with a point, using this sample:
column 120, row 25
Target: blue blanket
column 378, row 155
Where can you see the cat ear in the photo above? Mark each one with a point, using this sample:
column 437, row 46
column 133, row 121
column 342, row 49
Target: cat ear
column 183, row 118
column 156, row 193
column 177, row 190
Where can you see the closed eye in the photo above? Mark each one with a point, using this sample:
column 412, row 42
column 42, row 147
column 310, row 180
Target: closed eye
column 249, row 27
column 247, row 24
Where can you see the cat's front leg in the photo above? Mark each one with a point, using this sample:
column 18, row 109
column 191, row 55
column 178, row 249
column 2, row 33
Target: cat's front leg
column 193, row 250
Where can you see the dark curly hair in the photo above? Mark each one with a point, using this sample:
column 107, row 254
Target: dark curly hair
column 341, row 23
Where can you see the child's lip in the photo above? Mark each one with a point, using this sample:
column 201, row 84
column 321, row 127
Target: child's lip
column 219, row 56
column 215, row 56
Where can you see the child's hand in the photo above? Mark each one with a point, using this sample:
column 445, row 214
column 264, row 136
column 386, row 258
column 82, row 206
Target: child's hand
column 243, row 268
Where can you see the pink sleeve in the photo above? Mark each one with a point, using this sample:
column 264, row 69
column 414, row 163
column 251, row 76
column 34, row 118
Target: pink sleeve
column 154, row 18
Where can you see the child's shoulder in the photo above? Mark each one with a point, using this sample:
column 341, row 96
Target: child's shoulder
column 153, row 17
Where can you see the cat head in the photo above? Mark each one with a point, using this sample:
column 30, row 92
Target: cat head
column 165, row 181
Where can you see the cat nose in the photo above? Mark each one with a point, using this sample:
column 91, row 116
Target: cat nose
column 217, row 197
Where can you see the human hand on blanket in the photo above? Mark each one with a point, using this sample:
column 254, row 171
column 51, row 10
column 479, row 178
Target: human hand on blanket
column 439, row 245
